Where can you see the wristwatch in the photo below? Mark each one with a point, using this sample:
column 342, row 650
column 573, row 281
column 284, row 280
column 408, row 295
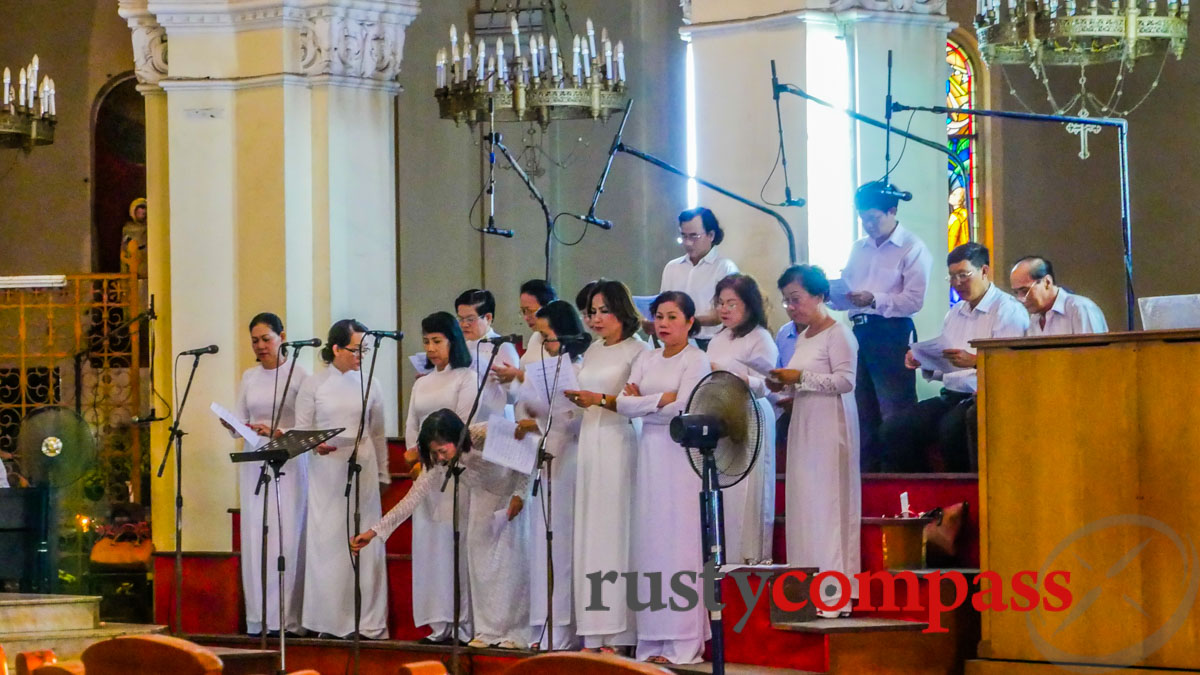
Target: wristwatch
column 604, row 400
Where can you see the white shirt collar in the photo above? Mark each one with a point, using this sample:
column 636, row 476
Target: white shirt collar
column 898, row 238
column 708, row 259
column 990, row 298
column 1060, row 303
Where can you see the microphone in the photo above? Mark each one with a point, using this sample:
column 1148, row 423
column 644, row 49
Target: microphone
column 492, row 229
column 571, row 339
column 497, row 341
column 890, row 190
column 151, row 315
column 314, row 342
column 211, row 349
column 394, row 334
column 592, row 220
column 142, row 421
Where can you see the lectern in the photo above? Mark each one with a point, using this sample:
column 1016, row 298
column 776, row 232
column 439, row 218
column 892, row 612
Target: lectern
column 1089, row 463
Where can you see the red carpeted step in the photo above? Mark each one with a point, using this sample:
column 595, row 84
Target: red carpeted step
column 401, row 540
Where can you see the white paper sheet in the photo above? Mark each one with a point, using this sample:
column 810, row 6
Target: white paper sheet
column 643, row 302
column 539, row 382
column 499, row 520
column 838, row 290
column 253, row 440
column 929, row 353
column 420, row 362
column 503, row 449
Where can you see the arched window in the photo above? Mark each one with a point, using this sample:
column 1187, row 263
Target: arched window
column 961, row 139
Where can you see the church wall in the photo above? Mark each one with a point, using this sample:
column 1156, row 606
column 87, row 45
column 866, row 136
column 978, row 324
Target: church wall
column 1068, row 209
column 45, row 196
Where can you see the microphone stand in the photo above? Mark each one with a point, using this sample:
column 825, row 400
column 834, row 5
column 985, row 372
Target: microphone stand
column 353, row 469
column 106, row 341
column 547, row 459
column 612, row 152
column 1122, row 127
column 176, row 437
column 496, row 139
column 453, row 471
column 787, row 186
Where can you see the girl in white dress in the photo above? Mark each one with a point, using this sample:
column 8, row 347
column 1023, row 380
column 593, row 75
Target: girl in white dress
column 260, row 402
column 476, row 309
column 330, row 399
column 824, row 503
column 605, row 472
column 564, row 342
column 745, row 348
column 451, row 384
column 498, row 557
column 666, row 516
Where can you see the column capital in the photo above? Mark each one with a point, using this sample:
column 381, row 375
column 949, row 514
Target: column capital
column 149, row 43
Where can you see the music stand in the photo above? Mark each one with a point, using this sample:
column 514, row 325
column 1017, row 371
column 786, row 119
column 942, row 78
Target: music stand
column 275, row 455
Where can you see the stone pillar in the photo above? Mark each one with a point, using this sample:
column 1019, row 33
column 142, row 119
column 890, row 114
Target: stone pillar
column 279, row 166
column 736, row 127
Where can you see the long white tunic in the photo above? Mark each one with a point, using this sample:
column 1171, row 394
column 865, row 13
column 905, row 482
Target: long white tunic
column 824, row 503
column 259, row 389
column 433, row 525
column 604, row 493
column 332, row 399
column 495, row 395
column 533, row 350
column 750, row 504
column 563, row 445
column 666, row 516
column 498, row 559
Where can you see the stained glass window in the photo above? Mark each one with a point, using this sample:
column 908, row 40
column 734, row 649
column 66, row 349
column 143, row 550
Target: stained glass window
column 960, row 137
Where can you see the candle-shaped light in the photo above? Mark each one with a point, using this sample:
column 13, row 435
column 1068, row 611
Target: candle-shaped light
column 491, row 77
column 554, row 57
column 541, row 53
column 524, row 70
column 44, row 96
column 585, row 57
column 608, row 62
column 501, row 64
column 533, row 56
column 480, row 55
column 620, row 61
column 440, row 61
column 22, row 88
column 8, row 83
column 516, row 33
column 53, row 91
column 591, row 36
column 466, row 64
column 34, row 66
column 576, row 66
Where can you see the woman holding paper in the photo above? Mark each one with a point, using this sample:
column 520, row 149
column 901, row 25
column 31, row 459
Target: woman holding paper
column 666, row 516
column 745, row 348
column 260, row 401
column 604, row 476
column 496, row 546
column 564, row 343
column 824, row 503
column 330, row 399
column 451, row 384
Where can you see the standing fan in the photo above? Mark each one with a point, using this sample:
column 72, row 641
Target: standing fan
column 56, row 448
column 721, row 428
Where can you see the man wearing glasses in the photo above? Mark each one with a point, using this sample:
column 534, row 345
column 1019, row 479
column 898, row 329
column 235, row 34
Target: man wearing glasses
column 985, row 311
column 887, row 273
column 1052, row 310
column 699, row 269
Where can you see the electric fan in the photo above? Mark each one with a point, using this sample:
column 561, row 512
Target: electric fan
column 56, row 447
column 721, row 430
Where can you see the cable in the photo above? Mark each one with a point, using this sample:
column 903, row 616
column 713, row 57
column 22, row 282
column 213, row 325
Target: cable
column 903, row 147
column 554, row 231
column 762, row 191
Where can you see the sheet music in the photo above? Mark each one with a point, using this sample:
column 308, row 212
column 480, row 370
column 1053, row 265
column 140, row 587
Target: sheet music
column 420, row 362
column 499, row 520
column 501, row 447
column 838, row 290
column 539, row 382
column 253, row 440
column 643, row 302
column 929, row 353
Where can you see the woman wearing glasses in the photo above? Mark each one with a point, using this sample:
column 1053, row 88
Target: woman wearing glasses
column 604, row 479
column 451, row 385
column 330, row 399
column 745, row 348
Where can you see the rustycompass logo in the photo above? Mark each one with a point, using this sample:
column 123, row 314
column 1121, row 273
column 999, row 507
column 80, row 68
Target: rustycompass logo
column 1116, row 590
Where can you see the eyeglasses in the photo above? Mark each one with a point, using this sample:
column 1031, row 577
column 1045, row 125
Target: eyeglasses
column 729, row 304
column 527, row 311
column 1023, row 291
column 358, row 351
column 791, row 302
column 960, row 277
column 691, row 237
column 467, row 320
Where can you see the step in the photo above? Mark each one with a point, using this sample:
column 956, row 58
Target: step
column 69, row 644
column 849, row 624
column 246, row 661
column 22, row 613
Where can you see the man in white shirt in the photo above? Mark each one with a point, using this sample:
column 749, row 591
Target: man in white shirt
column 985, row 311
column 888, row 272
column 699, row 269
column 1052, row 310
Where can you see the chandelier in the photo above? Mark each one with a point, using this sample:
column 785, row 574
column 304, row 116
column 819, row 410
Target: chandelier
column 27, row 115
column 519, row 70
column 1073, row 35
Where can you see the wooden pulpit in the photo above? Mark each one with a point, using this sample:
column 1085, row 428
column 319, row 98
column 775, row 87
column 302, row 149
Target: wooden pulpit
column 1089, row 463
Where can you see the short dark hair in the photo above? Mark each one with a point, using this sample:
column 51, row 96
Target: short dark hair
column 565, row 322
column 746, row 288
column 441, row 426
column 620, row 303
column 339, row 336
column 877, row 194
column 269, row 320
column 681, row 300
column 482, row 300
column 708, row 219
column 584, row 297
column 444, row 323
column 974, row 253
column 810, row 277
column 540, row 290
column 1039, row 267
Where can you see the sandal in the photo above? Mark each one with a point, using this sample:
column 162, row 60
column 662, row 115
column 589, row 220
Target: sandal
column 607, row 650
column 658, row 659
